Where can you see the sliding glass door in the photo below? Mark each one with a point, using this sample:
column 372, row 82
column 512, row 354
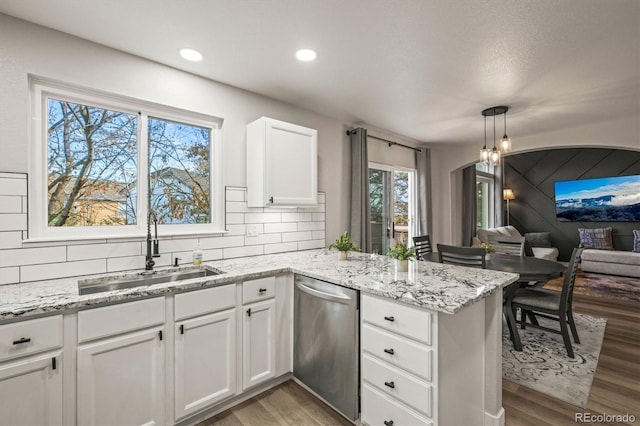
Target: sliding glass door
column 392, row 195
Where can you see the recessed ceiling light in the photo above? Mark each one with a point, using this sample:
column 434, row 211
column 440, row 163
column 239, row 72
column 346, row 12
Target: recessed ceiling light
column 191, row 54
column 306, row 55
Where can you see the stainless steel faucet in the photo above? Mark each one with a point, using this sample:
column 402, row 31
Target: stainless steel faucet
column 153, row 246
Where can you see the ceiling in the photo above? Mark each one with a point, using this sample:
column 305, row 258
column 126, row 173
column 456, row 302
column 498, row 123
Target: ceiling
column 420, row 68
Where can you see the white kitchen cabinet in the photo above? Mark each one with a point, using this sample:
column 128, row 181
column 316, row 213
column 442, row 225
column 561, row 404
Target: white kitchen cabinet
column 31, row 391
column 205, row 350
column 282, row 164
column 121, row 378
column 259, row 343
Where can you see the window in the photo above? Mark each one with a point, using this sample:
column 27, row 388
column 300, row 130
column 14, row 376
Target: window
column 101, row 164
column 485, row 200
column 392, row 198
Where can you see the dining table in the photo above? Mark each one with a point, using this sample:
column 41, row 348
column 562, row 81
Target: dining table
column 530, row 269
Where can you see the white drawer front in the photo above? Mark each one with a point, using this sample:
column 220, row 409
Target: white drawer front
column 397, row 384
column 379, row 409
column 30, row 336
column 397, row 317
column 111, row 320
column 397, row 350
column 205, row 301
column 260, row 289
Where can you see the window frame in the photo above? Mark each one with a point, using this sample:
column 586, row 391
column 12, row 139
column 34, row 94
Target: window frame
column 39, row 230
column 489, row 179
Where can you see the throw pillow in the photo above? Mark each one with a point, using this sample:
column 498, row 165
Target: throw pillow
column 538, row 239
column 596, row 238
column 528, row 251
column 636, row 240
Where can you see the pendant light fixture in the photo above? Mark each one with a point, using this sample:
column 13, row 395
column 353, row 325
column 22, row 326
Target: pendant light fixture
column 492, row 156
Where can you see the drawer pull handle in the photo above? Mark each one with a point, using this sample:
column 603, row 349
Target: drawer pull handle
column 22, row 340
column 262, row 290
column 392, row 319
column 54, row 363
column 390, row 385
column 390, row 351
column 388, row 422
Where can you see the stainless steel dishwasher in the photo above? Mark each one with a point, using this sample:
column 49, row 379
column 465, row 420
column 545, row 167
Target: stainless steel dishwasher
column 327, row 342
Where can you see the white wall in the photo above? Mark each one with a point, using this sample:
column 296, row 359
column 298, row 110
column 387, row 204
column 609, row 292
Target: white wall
column 27, row 49
column 447, row 159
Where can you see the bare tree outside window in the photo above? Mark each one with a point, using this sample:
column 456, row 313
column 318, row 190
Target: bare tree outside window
column 179, row 175
column 92, row 165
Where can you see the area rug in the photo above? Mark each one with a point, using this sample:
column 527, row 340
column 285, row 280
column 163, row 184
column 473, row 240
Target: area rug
column 625, row 289
column 543, row 364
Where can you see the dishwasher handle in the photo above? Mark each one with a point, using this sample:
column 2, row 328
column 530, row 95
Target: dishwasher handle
column 322, row 295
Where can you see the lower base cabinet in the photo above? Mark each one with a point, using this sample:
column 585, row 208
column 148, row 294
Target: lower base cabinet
column 205, row 362
column 31, row 391
column 121, row 380
column 259, row 343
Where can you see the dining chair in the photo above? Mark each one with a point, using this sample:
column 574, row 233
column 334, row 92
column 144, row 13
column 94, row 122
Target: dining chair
column 462, row 256
column 534, row 302
column 508, row 245
column 422, row 243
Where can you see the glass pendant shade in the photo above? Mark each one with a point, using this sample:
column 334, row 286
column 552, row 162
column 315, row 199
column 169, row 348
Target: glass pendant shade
column 494, row 157
column 505, row 144
column 485, row 154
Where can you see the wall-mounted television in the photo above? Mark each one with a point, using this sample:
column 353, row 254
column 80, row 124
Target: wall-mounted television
column 609, row 199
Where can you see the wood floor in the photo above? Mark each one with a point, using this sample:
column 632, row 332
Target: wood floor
column 615, row 390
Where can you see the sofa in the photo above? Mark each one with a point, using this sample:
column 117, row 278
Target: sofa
column 614, row 262
column 537, row 244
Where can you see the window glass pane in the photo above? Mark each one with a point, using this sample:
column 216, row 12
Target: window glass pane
column 401, row 207
column 91, row 165
column 179, row 172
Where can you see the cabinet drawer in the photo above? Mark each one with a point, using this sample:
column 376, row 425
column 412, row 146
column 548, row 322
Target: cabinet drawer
column 397, row 350
column 378, row 408
column 397, row 384
column 397, row 317
column 111, row 320
column 29, row 337
column 206, row 301
column 260, row 289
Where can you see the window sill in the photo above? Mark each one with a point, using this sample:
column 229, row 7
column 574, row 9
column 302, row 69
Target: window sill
column 132, row 236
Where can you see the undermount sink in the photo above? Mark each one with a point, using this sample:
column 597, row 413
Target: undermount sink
column 102, row 284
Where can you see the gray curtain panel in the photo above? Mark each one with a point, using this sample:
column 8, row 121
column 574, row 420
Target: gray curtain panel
column 360, row 204
column 423, row 171
column 468, row 205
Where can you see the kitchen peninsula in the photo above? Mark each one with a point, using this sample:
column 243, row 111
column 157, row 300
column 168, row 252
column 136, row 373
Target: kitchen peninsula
column 463, row 307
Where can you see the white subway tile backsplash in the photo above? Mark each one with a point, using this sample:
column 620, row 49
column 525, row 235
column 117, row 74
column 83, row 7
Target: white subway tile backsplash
column 310, row 226
column 13, row 221
column 296, row 236
column 280, row 227
column 231, row 252
column 311, row 244
column 9, row 275
column 32, row 256
column 98, row 251
column 280, row 248
column 235, row 194
column 60, row 270
column 263, row 217
column 13, row 186
column 262, row 239
column 277, row 230
column 10, row 239
column 10, row 204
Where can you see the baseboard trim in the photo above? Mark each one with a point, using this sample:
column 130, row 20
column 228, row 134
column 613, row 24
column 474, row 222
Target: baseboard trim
column 233, row 401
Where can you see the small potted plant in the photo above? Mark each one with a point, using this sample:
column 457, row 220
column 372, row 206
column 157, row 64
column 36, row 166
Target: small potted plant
column 344, row 245
column 401, row 253
column 488, row 249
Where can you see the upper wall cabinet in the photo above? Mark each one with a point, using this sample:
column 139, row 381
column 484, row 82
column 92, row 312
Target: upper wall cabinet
column 282, row 164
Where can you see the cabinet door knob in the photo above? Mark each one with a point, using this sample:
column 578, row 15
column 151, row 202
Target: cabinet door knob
column 391, row 319
column 271, row 200
column 390, row 351
column 388, row 422
column 22, row 340
column 249, row 312
column 181, row 328
column 391, row 385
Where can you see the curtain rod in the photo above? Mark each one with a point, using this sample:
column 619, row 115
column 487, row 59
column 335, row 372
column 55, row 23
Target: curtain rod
column 350, row 132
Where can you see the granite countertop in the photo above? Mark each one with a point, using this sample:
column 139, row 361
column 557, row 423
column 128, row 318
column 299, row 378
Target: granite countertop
column 442, row 288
